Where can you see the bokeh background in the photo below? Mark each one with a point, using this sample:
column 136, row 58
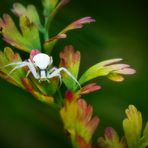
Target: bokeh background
column 120, row 31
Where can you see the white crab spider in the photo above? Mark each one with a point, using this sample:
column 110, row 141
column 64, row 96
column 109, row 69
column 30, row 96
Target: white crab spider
column 39, row 66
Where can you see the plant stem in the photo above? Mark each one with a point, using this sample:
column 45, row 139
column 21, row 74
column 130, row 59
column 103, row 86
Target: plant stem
column 73, row 141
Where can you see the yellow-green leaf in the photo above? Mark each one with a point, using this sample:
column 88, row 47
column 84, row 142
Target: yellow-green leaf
column 8, row 57
column 109, row 68
column 143, row 142
column 111, row 140
column 132, row 126
column 70, row 59
column 30, row 32
column 27, row 40
column 49, row 6
column 30, row 12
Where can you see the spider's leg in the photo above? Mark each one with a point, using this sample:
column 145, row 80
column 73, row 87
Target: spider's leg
column 11, row 64
column 51, row 71
column 59, row 75
column 20, row 65
column 33, row 69
column 28, row 72
column 65, row 70
column 54, row 74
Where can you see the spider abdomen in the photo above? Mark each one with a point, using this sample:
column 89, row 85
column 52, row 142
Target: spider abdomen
column 42, row 60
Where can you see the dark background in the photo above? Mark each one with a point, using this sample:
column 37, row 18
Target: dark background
column 120, row 31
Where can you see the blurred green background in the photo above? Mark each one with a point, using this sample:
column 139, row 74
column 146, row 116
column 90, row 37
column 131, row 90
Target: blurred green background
column 120, row 31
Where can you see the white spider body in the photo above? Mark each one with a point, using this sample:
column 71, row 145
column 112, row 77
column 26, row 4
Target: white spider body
column 42, row 60
column 39, row 66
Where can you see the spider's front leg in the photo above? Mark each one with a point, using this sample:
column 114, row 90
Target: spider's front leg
column 28, row 63
column 54, row 73
column 66, row 71
column 17, row 66
column 32, row 69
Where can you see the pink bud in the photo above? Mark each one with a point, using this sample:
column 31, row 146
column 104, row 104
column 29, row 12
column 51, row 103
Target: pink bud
column 69, row 95
column 33, row 53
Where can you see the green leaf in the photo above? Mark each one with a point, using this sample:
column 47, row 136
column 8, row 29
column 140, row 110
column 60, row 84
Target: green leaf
column 89, row 88
column 100, row 69
column 40, row 96
column 41, row 91
column 143, row 142
column 111, row 140
column 27, row 40
column 115, row 77
column 75, row 25
column 30, row 12
column 145, row 133
column 49, row 44
column 11, row 34
column 49, row 6
column 47, row 88
column 8, row 57
column 132, row 126
column 108, row 68
column 78, row 24
column 30, row 32
column 70, row 59
column 77, row 118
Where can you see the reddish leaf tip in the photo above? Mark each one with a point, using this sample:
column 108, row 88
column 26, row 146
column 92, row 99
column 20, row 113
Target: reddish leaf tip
column 90, row 88
column 109, row 132
column 79, row 23
column 57, row 37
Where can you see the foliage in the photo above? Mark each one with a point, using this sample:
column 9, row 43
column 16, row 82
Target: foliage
column 75, row 112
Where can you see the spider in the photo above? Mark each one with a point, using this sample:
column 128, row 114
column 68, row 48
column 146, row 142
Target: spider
column 39, row 65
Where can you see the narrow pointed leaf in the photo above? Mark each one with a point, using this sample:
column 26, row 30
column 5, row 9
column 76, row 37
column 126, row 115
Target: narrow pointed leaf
column 49, row 44
column 75, row 25
column 108, row 68
column 78, row 24
column 89, row 88
column 97, row 70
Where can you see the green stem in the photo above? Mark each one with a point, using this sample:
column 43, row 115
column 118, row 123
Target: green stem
column 50, row 18
column 54, row 12
column 60, row 99
column 73, row 141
